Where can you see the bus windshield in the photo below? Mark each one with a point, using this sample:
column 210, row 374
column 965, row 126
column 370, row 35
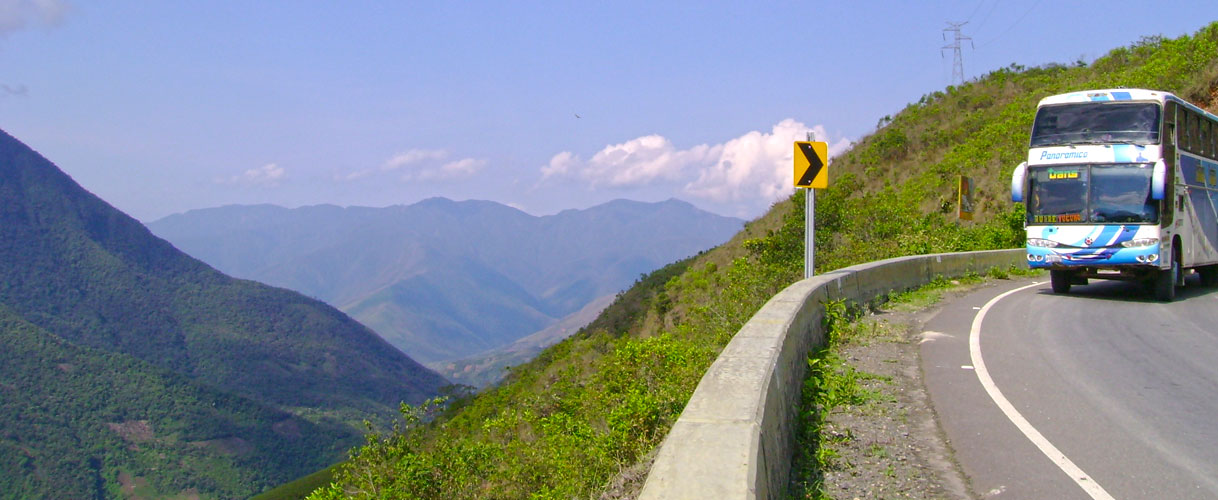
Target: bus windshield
column 1095, row 194
column 1103, row 122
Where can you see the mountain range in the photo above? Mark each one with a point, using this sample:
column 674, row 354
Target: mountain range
column 444, row 280
column 130, row 368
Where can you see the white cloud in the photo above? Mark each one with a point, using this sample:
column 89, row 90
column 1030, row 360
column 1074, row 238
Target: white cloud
column 753, row 170
column 560, row 165
column 419, row 164
column 636, row 162
column 16, row 15
column 412, row 157
column 266, row 175
column 354, row 176
column 757, row 165
column 460, row 169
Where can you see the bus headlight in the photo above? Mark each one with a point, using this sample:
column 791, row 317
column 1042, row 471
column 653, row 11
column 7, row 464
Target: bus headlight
column 1140, row 242
column 1037, row 242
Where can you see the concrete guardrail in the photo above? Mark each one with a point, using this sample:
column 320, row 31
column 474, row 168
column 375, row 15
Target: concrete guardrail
column 735, row 438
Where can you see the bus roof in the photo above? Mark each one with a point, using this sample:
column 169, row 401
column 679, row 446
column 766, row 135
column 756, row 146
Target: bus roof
column 1122, row 95
column 1107, row 95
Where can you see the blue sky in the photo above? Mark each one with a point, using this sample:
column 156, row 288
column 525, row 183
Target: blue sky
column 163, row 107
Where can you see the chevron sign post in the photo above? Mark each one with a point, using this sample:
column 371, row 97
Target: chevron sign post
column 811, row 172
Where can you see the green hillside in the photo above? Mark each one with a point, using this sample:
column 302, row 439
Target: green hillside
column 127, row 362
column 582, row 417
column 80, row 423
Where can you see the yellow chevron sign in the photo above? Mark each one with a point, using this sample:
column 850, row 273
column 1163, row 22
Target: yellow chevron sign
column 811, row 164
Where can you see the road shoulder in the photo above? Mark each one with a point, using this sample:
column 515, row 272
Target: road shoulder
column 892, row 446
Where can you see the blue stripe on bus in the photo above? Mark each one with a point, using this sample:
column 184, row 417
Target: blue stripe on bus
column 1097, row 245
column 1121, row 96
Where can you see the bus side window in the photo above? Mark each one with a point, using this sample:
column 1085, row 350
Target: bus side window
column 1213, row 139
column 1190, row 131
column 1194, row 137
column 1169, row 124
column 1211, row 143
column 1210, row 140
column 1203, row 136
column 1183, row 131
column 1204, row 128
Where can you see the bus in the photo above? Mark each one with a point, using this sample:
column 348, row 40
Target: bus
column 1121, row 184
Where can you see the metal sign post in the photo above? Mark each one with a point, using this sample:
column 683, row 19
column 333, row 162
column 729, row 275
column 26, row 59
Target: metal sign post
column 809, row 232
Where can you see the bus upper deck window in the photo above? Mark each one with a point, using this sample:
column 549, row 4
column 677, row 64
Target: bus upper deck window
column 1203, row 137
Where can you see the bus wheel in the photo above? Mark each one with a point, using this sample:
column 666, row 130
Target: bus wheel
column 1060, row 280
column 1165, row 282
column 1209, row 275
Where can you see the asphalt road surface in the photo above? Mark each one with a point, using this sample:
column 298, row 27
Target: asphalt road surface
column 1099, row 393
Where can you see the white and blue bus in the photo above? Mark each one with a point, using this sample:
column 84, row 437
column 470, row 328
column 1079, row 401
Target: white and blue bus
column 1121, row 184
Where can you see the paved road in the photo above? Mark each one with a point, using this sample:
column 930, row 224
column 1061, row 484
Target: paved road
column 1122, row 390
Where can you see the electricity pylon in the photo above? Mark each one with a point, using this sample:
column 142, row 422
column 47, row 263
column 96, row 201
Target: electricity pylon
column 958, row 63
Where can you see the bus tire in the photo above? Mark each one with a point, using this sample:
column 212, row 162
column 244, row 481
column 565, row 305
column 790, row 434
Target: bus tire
column 1165, row 282
column 1209, row 275
column 1060, row 281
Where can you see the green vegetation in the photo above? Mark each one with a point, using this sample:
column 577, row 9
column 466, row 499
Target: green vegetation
column 128, row 368
column 832, row 383
column 570, row 422
column 80, row 423
column 301, row 487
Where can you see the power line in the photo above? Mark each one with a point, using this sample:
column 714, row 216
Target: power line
column 958, row 61
column 1013, row 25
column 987, row 17
column 975, row 9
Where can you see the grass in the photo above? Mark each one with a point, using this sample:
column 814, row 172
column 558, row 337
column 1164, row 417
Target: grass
column 301, row 487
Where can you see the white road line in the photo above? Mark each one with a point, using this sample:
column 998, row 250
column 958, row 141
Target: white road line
column 1080, row 478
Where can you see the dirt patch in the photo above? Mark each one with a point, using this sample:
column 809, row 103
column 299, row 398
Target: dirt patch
column 133, row 431
column 288, row 428
column 132, row 487
column 231, row 446
column 190, row 494
column 629, row 482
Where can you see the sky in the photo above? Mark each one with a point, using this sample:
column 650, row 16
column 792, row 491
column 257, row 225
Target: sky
column 163, row 107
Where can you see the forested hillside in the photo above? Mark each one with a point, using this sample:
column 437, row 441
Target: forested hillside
column 83, row 423
column 583, row 416
column 125, row 362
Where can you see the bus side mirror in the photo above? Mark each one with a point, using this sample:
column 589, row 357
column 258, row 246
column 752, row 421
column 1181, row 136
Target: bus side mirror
column 1018, row 179
column 1158, row 181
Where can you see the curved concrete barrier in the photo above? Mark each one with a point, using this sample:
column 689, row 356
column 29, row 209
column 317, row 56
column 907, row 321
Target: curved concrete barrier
column 735, row 438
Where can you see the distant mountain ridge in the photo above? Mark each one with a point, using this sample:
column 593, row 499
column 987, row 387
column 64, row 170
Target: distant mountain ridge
column 124, row 359
column 489, row 367
column 442, row 279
